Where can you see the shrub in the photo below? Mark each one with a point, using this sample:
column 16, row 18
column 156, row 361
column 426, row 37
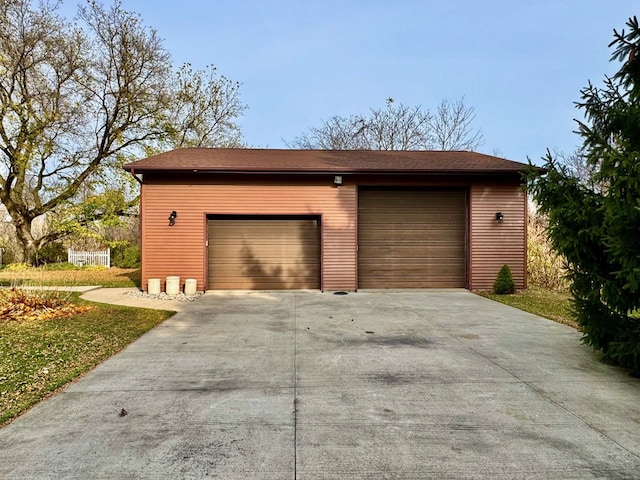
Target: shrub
column 58, row 266
column 504, row 283
column 131, row 257
column 8, row 253
column 125, row 256
column 53, row 252
column 94, row 268
column 17, row 267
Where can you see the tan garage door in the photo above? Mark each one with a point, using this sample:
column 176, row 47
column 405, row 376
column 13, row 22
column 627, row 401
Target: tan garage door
column 264, row 253
column 411, row 238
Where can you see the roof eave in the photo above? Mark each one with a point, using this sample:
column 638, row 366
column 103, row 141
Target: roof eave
column 138, row 169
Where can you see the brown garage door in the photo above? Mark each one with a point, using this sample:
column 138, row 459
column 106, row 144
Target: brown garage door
column 411, row 238
column 264, row 253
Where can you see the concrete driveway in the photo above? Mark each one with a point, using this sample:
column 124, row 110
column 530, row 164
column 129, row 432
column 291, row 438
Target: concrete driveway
column 370, row 385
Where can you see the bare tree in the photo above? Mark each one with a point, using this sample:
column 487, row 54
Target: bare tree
column 577, row 165
column 397, row 127
column 77, row 101
column 337, row 133
column 452, row 127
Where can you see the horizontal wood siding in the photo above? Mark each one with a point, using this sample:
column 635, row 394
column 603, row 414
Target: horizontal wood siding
column 181, row 250
column 495, row 244
column 412, row 238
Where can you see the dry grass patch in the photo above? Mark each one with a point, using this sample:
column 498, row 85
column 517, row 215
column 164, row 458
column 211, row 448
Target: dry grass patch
column 105, row 277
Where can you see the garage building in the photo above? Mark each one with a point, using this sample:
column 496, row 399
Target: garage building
column 261, row 219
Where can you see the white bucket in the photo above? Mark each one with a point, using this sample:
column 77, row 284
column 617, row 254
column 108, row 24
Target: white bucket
column 173, row 285
column 153, row 287
column 190, row 286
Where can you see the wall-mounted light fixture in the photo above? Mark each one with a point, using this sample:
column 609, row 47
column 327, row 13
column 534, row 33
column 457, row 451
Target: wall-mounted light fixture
column 337, row 180
column 499, row 217
column 172, row 218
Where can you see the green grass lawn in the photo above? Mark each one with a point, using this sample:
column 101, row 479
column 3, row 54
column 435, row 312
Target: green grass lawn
column 551, row 304
column 39, row 357
column 105, row 277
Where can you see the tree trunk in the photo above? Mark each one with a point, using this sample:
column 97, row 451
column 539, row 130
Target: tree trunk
column 29, row 245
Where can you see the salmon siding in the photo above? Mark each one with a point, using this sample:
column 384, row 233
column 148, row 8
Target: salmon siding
column 496, row 243
column 205, row 186
column 182, row 248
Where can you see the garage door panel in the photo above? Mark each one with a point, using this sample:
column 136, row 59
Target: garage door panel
column 266, row 239
column 264, row 253
column 291, row 271
column 383, row 260
column 377, row 278
column 275, row 231
column 420, row 282
column 384, row 237
column 415, row 253
column 397, row 223
column 238, row 278
column 428, row 199
column 269, row 263
column 244, row 283
column 275, row 251
column 274, row 283
column 412, row 238
column 408, row 218
column 416, row 271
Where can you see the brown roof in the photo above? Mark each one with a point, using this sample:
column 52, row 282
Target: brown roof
column 236, row 160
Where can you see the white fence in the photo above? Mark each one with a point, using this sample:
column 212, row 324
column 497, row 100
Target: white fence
column 81, row 258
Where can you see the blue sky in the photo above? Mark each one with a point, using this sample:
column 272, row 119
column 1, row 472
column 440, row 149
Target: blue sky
column 521, row 65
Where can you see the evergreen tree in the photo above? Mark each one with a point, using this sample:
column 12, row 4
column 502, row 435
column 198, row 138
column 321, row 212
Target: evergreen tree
column 595, row 223
column 504, row 283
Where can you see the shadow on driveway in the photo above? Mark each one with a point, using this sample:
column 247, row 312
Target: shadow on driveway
column 401, row 384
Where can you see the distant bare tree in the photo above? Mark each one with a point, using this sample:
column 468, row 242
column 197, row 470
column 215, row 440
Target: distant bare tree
column 397, row 127
column 577, row 165
column 452, row 127
column 337, row 133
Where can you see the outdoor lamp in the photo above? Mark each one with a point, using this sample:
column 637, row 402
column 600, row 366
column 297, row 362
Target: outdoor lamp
column 172, row 218
column 337, row 180
column 499, row 217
